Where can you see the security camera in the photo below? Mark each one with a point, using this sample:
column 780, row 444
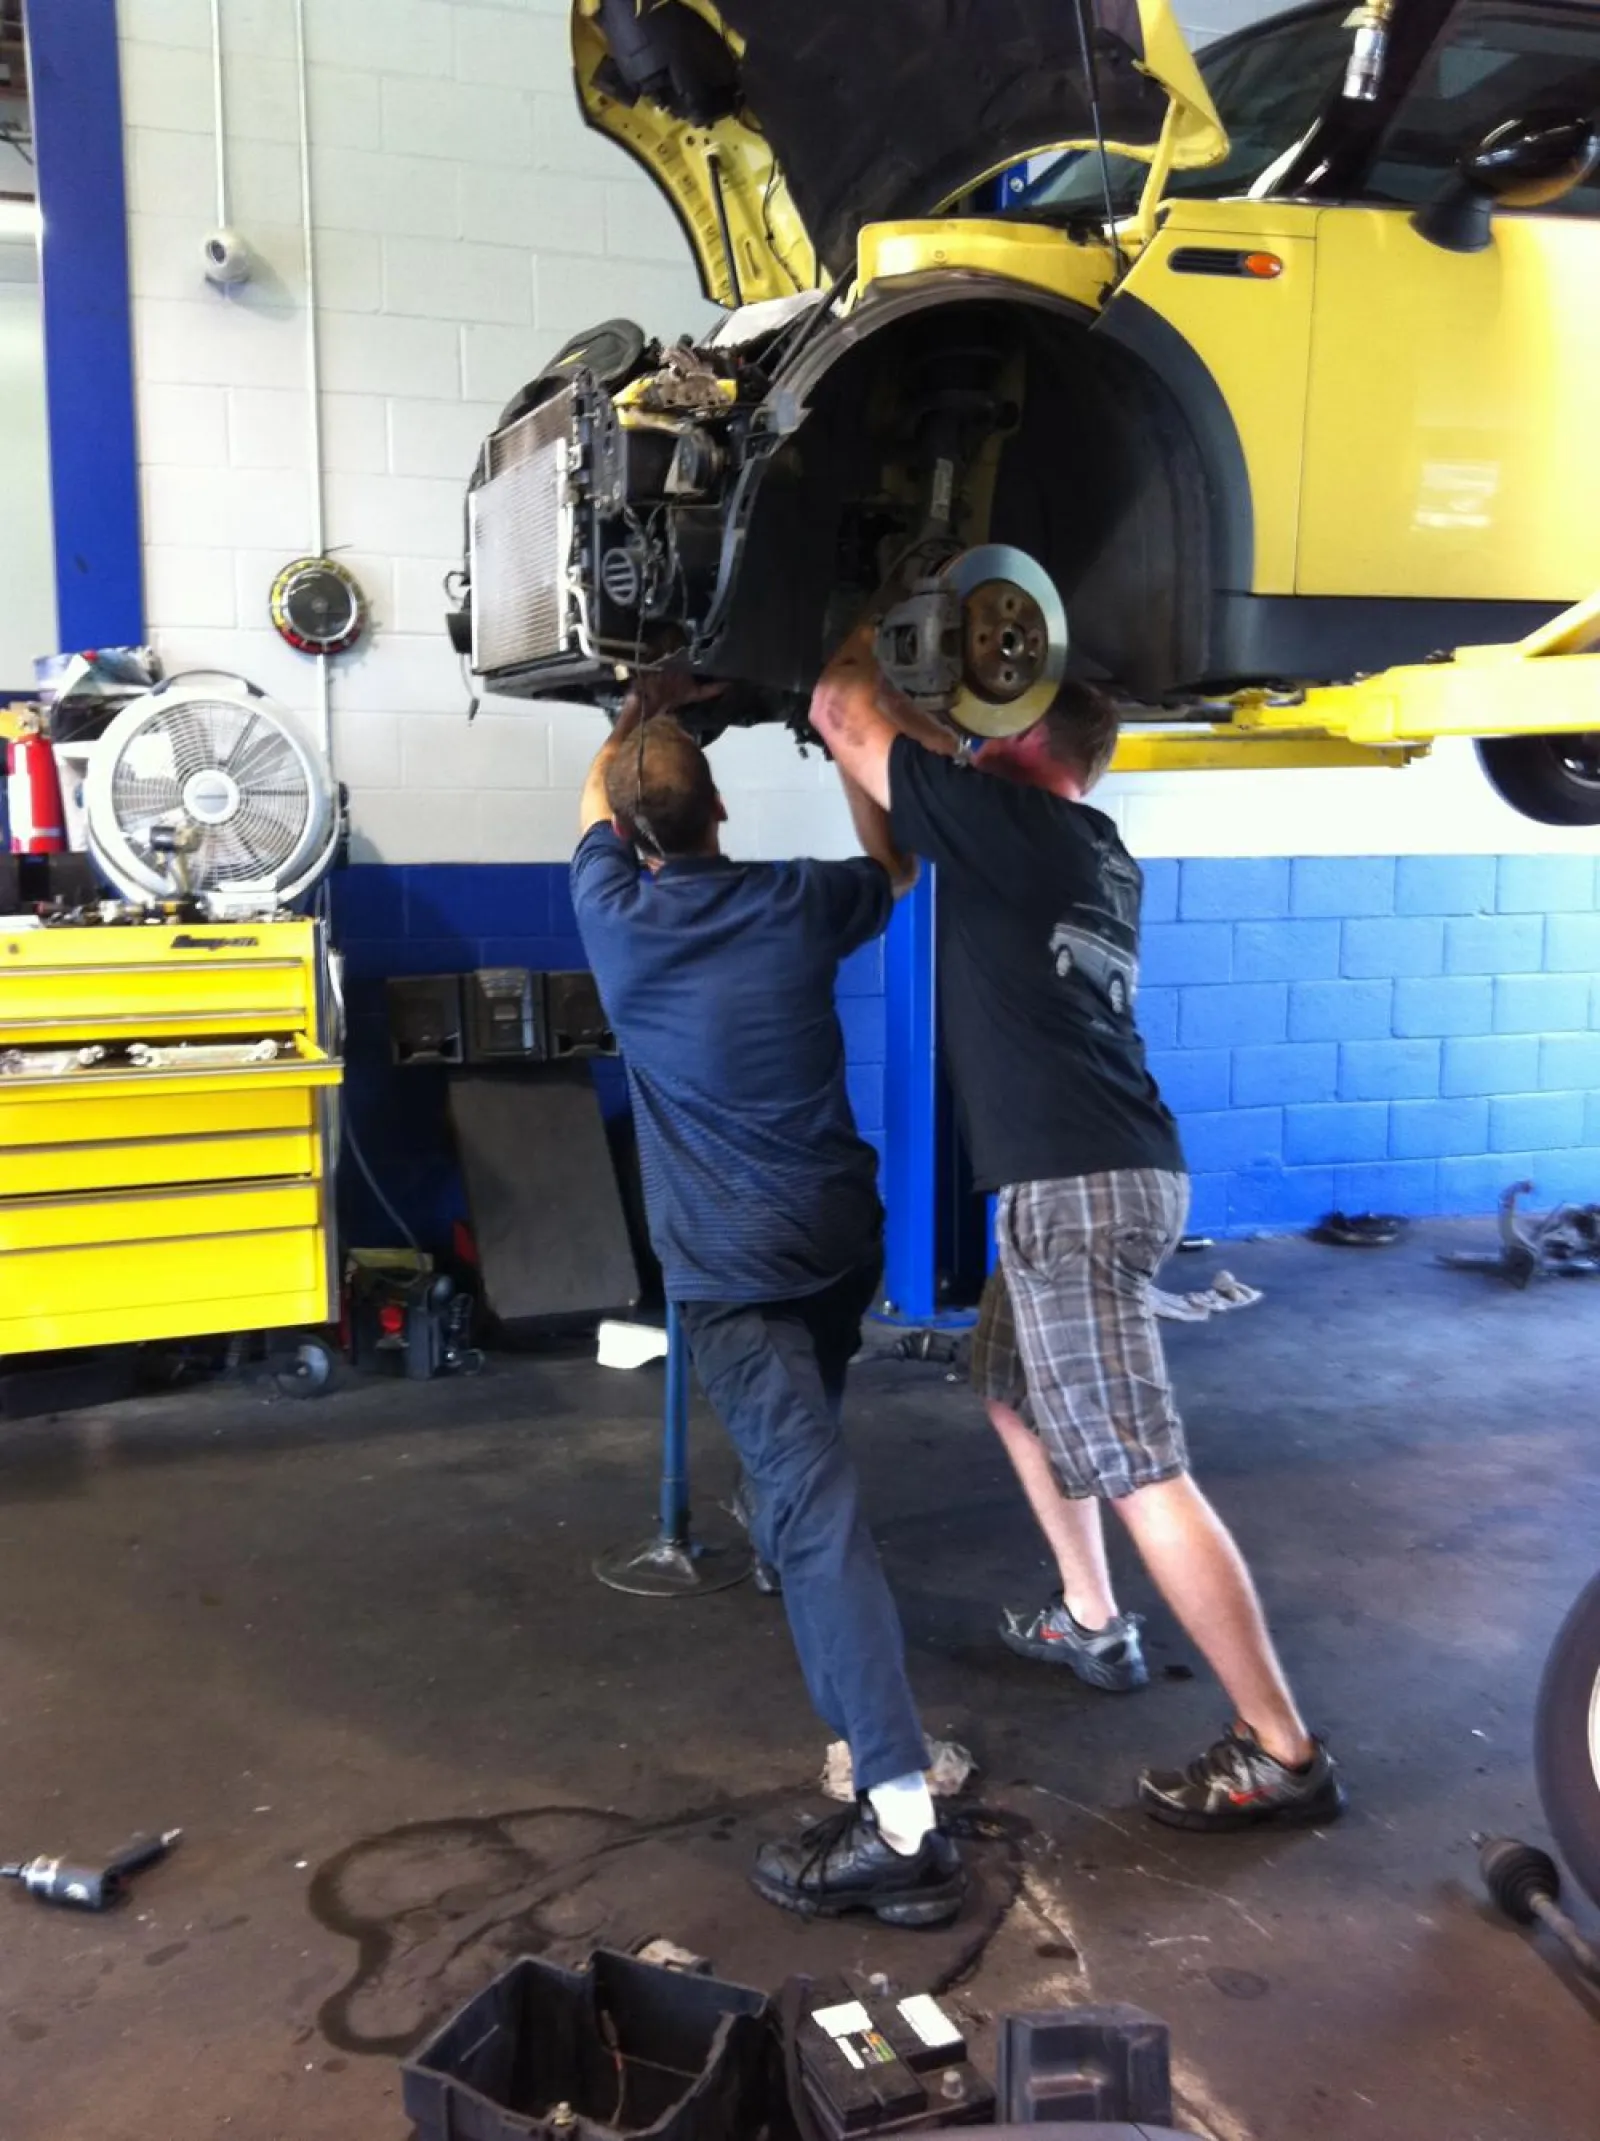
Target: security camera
column 226, row 258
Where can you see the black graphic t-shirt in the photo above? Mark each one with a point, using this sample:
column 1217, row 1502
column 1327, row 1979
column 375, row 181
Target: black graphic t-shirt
column 1038, row 932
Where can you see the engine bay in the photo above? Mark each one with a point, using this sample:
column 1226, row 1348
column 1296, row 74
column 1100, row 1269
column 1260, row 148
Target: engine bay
column 597, row 512
column 980, row 470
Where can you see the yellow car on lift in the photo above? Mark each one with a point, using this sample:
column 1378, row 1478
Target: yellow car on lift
column 1271, row 369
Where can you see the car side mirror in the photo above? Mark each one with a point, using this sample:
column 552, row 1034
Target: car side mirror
column 1527, row 163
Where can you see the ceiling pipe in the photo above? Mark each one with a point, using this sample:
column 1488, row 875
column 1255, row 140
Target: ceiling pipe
column 218, row 120
column 313, row 359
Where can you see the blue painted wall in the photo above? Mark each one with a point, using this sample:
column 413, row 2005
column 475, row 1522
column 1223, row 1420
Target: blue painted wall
column 1401, row 1034
column 445, row 918
column 1405, row 1034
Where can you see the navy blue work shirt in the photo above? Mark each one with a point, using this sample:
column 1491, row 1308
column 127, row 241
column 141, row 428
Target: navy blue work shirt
column 718, row 981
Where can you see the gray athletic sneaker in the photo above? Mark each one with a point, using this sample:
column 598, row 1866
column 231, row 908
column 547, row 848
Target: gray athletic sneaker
column 1236, row 1784
column 1111, row 1658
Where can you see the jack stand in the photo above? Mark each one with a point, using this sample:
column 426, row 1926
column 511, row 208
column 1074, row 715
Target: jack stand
column 675, row 1564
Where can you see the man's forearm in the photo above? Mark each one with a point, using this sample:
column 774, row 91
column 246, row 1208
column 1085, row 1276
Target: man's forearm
column 876, row 835
column 858, row 714
column 594, row 806
column 847, row 714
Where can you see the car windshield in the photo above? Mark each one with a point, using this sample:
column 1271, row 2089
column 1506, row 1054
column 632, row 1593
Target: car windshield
column 1496, row 62
column 1268, row 87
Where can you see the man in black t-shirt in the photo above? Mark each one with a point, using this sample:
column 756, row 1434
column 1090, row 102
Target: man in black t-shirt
column 1038, row 946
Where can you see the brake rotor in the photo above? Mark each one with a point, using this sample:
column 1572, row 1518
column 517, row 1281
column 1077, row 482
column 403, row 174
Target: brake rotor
column 1014, row 640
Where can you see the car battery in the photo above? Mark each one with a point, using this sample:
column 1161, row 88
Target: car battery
column 885, row 2065
column 621, row 2047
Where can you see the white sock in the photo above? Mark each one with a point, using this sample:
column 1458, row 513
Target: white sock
column 904, row 1807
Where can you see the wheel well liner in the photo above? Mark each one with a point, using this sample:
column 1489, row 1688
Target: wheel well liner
column 1106, row 478
column 1157, row 345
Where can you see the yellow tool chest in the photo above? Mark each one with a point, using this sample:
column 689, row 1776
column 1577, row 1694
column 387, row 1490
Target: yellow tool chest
column 167, row 1124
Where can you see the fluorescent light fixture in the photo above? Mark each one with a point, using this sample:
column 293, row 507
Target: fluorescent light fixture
column 19, row 219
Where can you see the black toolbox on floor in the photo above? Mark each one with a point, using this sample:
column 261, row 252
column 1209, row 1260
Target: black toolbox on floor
column 581, row 2055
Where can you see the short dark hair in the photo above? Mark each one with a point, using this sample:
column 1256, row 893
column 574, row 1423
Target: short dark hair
column 1081, row 729
column 659, row 786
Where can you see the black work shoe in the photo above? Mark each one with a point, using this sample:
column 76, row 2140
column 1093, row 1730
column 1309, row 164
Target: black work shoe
column 1236, row 1784
column 1111, row 1657
column 843, row 1864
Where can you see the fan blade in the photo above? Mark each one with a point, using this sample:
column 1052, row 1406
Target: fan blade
column 144, row 792
column 257, row 861
column 268, row 765
column 247, row 728
column 187, row 735
column 288, row 812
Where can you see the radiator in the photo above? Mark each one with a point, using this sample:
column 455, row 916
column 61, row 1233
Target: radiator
column 520, row 537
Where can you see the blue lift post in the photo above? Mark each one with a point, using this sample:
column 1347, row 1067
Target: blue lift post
column 910, row 1185
column 914, row 1188
column 675, row 1563
column 675, row 1438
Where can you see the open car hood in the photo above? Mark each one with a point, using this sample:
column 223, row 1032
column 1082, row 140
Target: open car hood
column 777, row 128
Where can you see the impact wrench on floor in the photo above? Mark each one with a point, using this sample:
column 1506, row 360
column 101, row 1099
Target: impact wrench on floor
column 89, row 1888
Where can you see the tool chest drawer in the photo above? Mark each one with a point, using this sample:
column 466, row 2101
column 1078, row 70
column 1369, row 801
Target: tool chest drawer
column 156, row 981
column 129, row 1129
column 62, row 1114
column 135, row 1217
column 101, row 1297
column 150, row 1263
column 152, row 1162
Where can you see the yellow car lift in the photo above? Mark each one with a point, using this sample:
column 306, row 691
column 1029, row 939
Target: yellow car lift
column 1545, row 685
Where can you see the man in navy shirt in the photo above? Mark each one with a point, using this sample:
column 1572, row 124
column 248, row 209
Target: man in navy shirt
column 718, row 980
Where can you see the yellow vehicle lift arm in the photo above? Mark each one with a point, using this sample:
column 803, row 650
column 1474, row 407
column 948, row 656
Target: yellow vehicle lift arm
column 1545, row 685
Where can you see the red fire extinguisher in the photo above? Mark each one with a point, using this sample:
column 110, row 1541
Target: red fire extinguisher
column 33, row 799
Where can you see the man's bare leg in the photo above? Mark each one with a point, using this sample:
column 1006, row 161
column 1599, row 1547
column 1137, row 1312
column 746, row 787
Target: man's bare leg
column 1072, row 1528
column 1201, row 1574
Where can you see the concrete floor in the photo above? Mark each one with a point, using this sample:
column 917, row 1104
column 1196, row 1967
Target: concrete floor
column 355, row 1650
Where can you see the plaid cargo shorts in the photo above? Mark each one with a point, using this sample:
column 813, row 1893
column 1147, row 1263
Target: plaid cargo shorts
column 1067, row 1334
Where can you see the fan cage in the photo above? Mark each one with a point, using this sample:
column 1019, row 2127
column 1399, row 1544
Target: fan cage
column 209, row 793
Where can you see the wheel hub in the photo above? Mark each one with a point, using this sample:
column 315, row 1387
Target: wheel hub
column 1007, row 641
column 1013, row 639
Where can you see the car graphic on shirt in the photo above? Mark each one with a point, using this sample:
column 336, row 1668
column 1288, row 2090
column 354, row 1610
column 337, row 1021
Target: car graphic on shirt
column 1108, row 969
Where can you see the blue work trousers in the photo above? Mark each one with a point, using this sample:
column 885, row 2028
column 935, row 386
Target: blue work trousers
column 775, row 1372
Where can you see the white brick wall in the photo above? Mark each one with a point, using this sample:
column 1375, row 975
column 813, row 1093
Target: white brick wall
column 466, row 225
column 463, row 221
column 27, row 603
